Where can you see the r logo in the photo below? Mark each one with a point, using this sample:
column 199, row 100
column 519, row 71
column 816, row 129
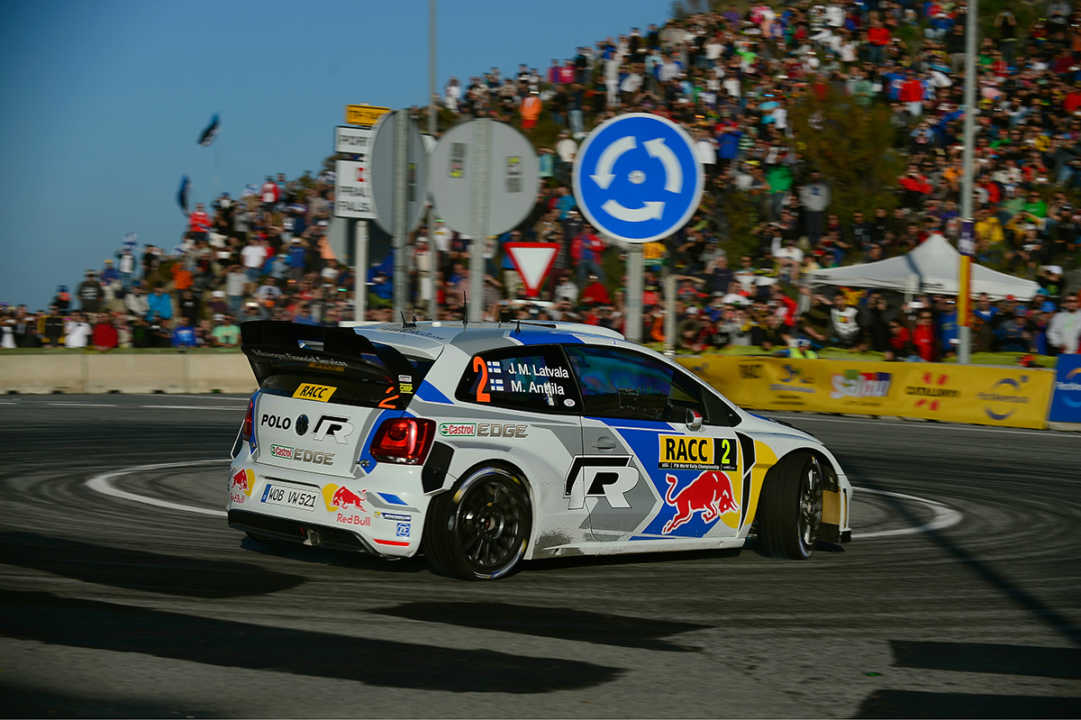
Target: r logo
column 607, row 477
column 336, row 427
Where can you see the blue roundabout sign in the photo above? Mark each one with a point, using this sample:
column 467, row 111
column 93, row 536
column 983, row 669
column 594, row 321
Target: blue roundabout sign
column 636, row 177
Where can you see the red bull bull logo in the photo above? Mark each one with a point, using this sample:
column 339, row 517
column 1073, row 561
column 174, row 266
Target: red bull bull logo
column 340, row 497
column 241, row 485
column 709, row 494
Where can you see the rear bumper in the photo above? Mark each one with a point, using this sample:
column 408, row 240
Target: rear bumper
column 295, row 531
column 381, row 513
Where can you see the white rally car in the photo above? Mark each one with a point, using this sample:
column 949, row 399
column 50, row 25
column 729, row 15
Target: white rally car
column 484, row 445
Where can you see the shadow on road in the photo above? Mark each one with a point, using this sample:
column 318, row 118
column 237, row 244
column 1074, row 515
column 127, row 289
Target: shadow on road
column 139, row 569
column 32, row 702
column 1052, row 662
column 44, row 617
column 551, row 622
column 914, row 704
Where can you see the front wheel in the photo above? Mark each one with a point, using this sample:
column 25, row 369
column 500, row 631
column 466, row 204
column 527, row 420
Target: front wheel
column 791, row 507
column 480, row 529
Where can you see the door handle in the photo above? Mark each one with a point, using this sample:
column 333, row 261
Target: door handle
column 604, row 443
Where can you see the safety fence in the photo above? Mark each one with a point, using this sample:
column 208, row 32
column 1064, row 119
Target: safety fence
column 985, row 395
column 1011, row 397
column 135, row 372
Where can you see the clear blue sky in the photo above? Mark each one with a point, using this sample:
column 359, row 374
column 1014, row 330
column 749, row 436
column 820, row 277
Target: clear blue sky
column 104, row 101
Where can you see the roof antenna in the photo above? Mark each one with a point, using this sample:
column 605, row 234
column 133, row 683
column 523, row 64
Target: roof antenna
column 465, row 310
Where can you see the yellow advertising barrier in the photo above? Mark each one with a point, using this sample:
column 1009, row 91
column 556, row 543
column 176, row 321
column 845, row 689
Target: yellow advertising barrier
column 1008, row 397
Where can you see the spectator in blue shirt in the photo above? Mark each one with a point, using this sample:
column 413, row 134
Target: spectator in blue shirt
column 160, row 304
column 110, row 273
column 183, row 334
column 565, row 203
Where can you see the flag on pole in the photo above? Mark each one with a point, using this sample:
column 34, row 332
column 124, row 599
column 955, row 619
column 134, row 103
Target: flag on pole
column 182, row 194
column 210, row 132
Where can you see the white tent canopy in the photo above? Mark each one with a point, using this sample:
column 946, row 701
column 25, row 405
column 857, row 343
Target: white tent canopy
column 932, row 267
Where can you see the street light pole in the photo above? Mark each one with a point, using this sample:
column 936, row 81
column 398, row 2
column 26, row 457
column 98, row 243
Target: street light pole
column 966, row 245
column 433, row 253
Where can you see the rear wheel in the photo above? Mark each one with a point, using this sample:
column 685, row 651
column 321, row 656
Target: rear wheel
column 479, row 530
column 791, row 507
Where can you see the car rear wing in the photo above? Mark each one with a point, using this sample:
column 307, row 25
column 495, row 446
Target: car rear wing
column 274, row 347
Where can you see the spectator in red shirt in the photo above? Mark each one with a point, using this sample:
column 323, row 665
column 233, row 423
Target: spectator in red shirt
column 104, row 335
column 912, row 94
column 878, row 37
column 923, row 337
column 269, row 193
column 595, row 292
column 199, row 223
column 900, row 341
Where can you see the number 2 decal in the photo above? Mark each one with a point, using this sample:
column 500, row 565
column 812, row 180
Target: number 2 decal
column 727, row 449
column 482, row 367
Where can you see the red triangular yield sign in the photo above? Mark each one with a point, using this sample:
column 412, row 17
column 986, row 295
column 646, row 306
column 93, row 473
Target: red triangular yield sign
column 532, row 261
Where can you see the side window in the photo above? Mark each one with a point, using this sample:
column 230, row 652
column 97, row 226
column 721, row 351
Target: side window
column 619, row 383
column 534, row 378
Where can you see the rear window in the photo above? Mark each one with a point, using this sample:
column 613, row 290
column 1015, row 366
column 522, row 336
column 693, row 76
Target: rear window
column 534, row 378
column 365, row 383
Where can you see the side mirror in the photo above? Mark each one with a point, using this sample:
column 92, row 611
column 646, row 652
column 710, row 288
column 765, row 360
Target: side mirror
column 693, row 420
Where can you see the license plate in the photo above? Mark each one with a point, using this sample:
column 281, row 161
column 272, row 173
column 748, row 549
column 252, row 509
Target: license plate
column 278, row 494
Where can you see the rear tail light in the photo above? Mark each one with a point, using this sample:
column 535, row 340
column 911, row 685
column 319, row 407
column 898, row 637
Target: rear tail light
column 249, row 419
column 403, row 440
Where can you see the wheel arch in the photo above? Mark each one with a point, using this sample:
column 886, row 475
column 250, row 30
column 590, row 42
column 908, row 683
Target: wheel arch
column 517, row 472
column 836, row 499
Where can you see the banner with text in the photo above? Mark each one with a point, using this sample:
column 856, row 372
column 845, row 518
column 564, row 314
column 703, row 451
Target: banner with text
column 937, row 391
column 1066, row 402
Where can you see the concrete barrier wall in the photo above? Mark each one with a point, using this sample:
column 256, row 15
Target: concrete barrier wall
column 126, row 372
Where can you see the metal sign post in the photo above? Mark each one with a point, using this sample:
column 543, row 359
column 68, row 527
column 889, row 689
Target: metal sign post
column 670, row 313
column 479, row 191
column 633, row 319
column 637, row 178
column 360, row 278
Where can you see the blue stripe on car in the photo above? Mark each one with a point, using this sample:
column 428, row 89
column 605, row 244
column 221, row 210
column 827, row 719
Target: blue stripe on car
column 391, row 498
column 544, row 338
column 430, row 393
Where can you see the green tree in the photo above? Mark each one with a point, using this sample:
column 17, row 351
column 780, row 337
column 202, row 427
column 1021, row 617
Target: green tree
column 852, row 146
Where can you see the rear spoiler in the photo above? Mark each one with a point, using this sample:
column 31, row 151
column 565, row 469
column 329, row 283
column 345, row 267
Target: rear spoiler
column 273, row 345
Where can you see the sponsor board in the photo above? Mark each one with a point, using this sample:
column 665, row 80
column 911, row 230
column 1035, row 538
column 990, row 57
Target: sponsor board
column 1066, row 401
column 977, row 394
column 856, row 384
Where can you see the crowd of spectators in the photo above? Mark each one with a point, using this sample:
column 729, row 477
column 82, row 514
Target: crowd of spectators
column 732, row 79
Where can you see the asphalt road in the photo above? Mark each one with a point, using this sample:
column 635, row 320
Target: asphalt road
column 110, row 607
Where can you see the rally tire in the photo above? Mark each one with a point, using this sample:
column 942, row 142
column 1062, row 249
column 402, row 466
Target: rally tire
column 479, row 530
column 791, row 507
